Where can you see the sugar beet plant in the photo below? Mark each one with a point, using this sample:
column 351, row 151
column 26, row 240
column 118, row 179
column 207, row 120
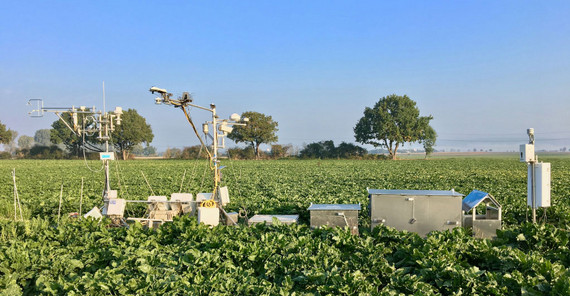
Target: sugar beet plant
column 182, row 257
column 38, row 256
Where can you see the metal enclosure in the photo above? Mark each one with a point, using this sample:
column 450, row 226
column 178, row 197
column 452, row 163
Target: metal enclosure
column 527, row 153
column 332, row 215
column 484, row 225
column 541, row 184
column 419, row 211
column 285, row 219
column 224, row 195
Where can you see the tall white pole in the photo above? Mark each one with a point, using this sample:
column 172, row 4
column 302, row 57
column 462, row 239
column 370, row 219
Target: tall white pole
column 215, row 148
column 532, row 190
column 532, row 166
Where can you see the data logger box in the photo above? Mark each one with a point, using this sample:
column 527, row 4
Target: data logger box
column 115, row 207
column 527, row 153
column 541, row 184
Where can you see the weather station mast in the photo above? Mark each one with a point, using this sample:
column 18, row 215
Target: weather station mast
column 538, row 177
column 220, row 129
column 84, row 121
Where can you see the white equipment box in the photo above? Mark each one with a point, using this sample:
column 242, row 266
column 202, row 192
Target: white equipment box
column 115, row 207
column 209, row 216
column 527, row 153
column 225, row 195
column 94, row 213
column 541, row 184
column 203, row 196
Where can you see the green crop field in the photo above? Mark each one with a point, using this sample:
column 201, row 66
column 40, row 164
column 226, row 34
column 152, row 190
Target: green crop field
column 45, row 256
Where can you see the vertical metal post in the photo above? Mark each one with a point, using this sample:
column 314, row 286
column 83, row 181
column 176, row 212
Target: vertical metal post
column 106, row 161
column 15, row 198
column 532, row 163
column 215, row 148
column 532, row 191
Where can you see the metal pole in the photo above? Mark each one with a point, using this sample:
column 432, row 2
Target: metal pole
column 107, row 181
column 215, row 148
column 106, row 161
column 533, row 193
column 530, row 132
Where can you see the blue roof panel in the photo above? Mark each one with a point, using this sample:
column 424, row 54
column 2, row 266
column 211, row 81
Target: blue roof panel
column 473, row 199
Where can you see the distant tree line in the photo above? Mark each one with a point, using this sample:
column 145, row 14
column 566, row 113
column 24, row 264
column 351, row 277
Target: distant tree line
column 327, row 149
column 60, row 142
column 196, row 152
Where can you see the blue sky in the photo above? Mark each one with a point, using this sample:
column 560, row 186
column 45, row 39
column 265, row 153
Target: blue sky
column 486, row 70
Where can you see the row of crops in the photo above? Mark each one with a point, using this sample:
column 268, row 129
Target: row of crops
column 41, row 255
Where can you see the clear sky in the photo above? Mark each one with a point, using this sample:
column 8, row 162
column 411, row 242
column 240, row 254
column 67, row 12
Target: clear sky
column 486, row 70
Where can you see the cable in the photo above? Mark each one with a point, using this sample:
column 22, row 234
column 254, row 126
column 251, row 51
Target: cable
column 203, row 178
column 196, row 131
column 182, row 182
column 84, row 157
column 147, row 183
column 210, row 203
column 195, row 165
column 235, row 177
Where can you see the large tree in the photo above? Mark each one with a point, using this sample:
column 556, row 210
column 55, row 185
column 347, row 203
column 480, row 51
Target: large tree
column 133, row 130
column 348, row 150
column 5, row 134
column 42, row 137
column 25, row 142
column 428, row 139
column 60, row 133
column 393, row 121
column 259, row 130
column 12, row 144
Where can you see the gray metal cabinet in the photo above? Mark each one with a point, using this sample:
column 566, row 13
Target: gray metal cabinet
column 419, row 211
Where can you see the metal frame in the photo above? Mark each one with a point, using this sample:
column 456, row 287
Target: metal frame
column 104, row 124
column 221, row 128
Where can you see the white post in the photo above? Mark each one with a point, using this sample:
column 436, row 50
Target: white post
column 215, row 157
column 532, row 190
column 15, row 207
